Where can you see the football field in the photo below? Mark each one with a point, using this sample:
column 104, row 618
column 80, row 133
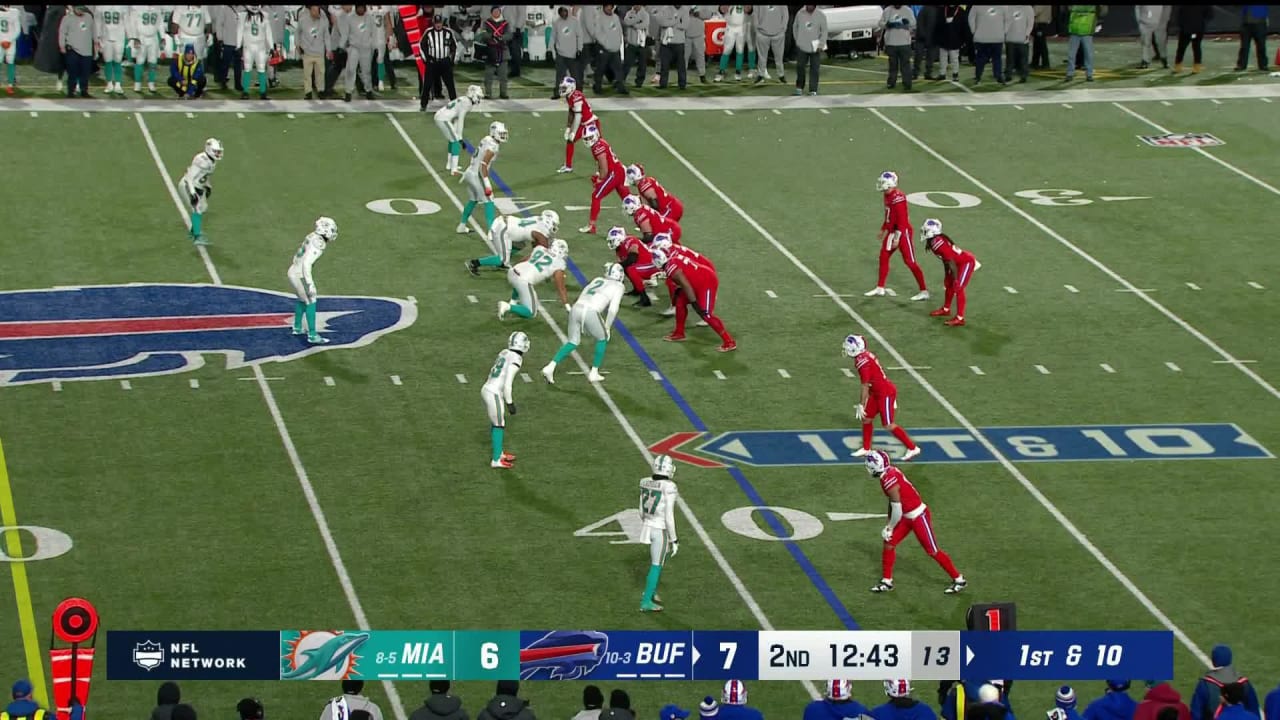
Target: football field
column 1099, row 440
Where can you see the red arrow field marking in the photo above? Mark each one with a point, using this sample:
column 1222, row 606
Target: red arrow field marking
column 668, row 445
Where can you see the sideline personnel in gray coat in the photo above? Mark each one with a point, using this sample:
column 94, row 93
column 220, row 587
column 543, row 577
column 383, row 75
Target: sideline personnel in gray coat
column 1018, row 23
column 771, row 29
column 898, row 23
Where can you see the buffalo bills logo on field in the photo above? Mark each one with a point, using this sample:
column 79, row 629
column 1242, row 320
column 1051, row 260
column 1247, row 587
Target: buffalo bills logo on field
column 123, row 331
column 564, row 654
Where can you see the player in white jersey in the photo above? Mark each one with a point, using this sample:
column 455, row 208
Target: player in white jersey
column 195, row 184
column 542, row 263
column 451, row 118
column 496, row 394
column 509, row 233
column 10, row 30
column 381, row 15
column 304, row 285
column 278, row 16
column 109, row 33
column 192, row 22
column 594, row 312
column 658, row 526
column 145, row 33
column 255, row 43
column 476, row 177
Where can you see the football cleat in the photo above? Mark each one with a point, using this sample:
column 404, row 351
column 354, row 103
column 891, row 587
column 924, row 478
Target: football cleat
column 650, row 607
column 502, row 463
column 587, row 229
column 910, row 454
column 657, row 599
column 473, row 267
column 299, row 331
column 955, row 322
column 941, row 312
column 874, row 292
column 728, row 346
column 504, row 307
column 462, row 229
column 669, row 312
column 674, row 337
column 318, row 340
column 861, row 451
column 700, row 323
column 643, row 301
column 922, row 295
column 549, row 372
column 200, row 240
column 508, row 456
column 595, row 376
column 883, row 586
column 957, row 586
column 564, row 169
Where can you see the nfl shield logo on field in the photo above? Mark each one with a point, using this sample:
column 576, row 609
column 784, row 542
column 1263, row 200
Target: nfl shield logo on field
column 148, row 655
column 1191, row 140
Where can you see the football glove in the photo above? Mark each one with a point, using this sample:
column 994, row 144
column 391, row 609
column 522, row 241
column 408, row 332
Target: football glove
column 568, row 308
column 887, row 533
column 859, row 412
column 675, row 548
column 891, row 241
column 511, row 408
column 568, row 135
column 488, row 188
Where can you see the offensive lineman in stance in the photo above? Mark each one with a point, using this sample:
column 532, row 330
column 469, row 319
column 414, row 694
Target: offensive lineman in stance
column 496, row 394
column 195, row 185
column 658, row 512
column 595, row 311
column 476, row 177
column 304, row 285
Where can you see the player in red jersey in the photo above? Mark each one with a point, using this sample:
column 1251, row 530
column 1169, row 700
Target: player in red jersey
column 879, row 397
column 694, row 284
column 580, row 118
column 959, row 266
column 663, row 241
column 636, row 260
column 650, row 221
column 653, row 194
column 896, row 235
column 609, row 176
column 907, row 514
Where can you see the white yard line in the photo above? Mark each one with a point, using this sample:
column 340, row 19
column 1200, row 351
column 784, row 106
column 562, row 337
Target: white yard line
column 304, row 480
column 1260, row 183
column 1128, row 286
column 946, row 404
column 617, row 413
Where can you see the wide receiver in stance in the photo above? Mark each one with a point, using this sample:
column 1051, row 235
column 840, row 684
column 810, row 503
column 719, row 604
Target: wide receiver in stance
column 879, row 397
column 896, row 236
column 959, row 266
column 907, row 514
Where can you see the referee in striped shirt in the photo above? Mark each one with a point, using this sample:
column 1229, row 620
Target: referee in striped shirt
column 438, row 47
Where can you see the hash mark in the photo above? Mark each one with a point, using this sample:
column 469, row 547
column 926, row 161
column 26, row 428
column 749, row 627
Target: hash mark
column 1071, row 288
column 1166, row 103
column 1216, row 101
column 86, row 114
column 35, row 114
column 290, row 116
column 976, row 370
column 719, row 375
column 328, row 381
column 461, row 378
column 656, row 375
column 57, row 386
column 1106, row 367
column 341, row 116
column 1265, row 100
column 472, row 298
column 785, row 375
column 525, row 377
column 1065, row 105
column 537, row 114
column 824, row 111
column 488, row 115
column 921, row 109
column 194, row 383
column 728, row 112
column 776, row 111
column 771, row 293
column 1173, row 367
column 1018, row 107
column 678, row 112
column 190, row 115
column 1255, row 285
column 240, row 115
column 1193, row 286
column 126, row 385
column 1011, row 291
column 1043, row 370
column 969, row 108
column 847, row 372
column 395, row 380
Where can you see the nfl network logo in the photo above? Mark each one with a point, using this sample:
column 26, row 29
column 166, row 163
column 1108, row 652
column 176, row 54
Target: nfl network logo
column 148, row 655
column 1191, row 140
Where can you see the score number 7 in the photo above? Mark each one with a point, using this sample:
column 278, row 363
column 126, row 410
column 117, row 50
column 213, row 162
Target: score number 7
column 730, row 649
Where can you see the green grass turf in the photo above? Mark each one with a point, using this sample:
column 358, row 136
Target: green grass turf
column 186, row 512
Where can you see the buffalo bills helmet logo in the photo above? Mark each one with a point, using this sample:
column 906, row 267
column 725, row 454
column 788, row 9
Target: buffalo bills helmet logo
column 123, row 331
column 563, row 654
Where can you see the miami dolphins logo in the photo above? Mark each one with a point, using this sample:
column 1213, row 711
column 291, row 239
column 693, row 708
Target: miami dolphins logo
column 320, row 654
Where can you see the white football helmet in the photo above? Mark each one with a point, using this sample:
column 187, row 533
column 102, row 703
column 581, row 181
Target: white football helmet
column 614, row 271
column 931, row 227
column 887, row 181
column 630, row 204
column 634, row 173
column 560, row 249
column 877, row 461
column 568, row 85
column 735, row 693
column 327, row 228
column 854, row 345
column 660, row 256
column 617, row 235
column 590, row 135
column 551, row 218
column 662, row 241
column 498, row 131
column 663, row 465
column 518, row 342
column 475, row 93
column 897, row 688
column 839, row 689
column 213, row 148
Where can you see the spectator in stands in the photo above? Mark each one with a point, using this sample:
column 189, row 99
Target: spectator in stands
column 810, row 34
column 251, row 709
column 1115, row 703
column 1160, row 696
column 186, row 74
column 1018, row 23
column 671, row 21
column 1065, row 700
column 1191, row 21
column 505, row 704
column 313, row 41
column 1271, row 707
column 925, row 44
column 76, row 41
column 901, row 706
column 1082, row 23
column 1233, row 702
column 442, row 705
column 837, row 702
column 620, row 707
column 1153, row 33
column 1205, row 699
column 351, row 694
column 636, row 22
column 497, row 30
column 592, row 704
column 897, row 25
column 608, row 34
column 1253, row 27
column 184, row 711
column 771, row 37
column 1040, row 37
column 695, row 38
column 567, row 45
column 987, row 23
column 709, row 708
column 951, row 34
column 733, row 703
column 167, row 697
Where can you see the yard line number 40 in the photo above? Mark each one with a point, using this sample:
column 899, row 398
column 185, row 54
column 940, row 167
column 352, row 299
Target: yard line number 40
column 801, row 525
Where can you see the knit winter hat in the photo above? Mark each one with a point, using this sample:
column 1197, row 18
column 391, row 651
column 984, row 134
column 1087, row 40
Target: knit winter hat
column 1066, row 697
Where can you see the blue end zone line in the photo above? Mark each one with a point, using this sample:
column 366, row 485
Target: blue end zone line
column 752, row 494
